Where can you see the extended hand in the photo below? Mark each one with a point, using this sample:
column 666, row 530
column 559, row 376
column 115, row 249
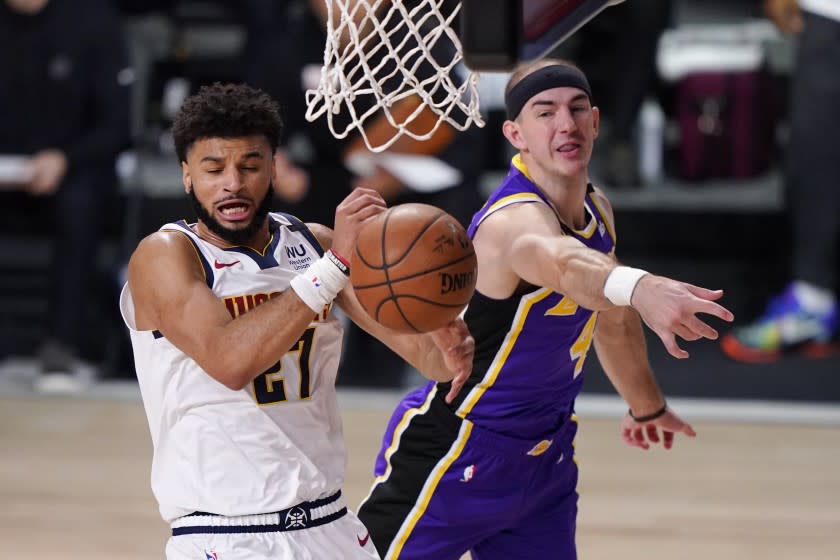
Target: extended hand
column 457, row 346
column 670, row 308
column 642, row 434
column 357, row 209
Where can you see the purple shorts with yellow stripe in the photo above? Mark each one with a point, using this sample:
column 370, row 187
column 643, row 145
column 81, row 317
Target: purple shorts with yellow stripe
column 446, row 486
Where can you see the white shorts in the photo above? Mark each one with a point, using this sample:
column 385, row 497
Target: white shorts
column 344, row 538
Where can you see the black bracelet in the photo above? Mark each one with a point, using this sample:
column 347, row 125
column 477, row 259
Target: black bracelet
column 649, row 417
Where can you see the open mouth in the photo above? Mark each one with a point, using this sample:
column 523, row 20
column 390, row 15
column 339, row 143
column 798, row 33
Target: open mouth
column 569, row 148
column 234, row 211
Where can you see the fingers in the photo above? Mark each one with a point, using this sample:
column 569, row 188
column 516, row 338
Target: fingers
column 644, row 435
column 698, row 329
column 463, row 369
column 633, row 438
column 652, row 433
column 671, row 346
column 711, row 308
column 704, row 293
column 457, row 384
column 668, row 438
column 360, row 202
column 685, row 333
column 708, row 306
column 458, row 347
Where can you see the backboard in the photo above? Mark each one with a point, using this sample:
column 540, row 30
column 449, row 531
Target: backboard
column 498, row 34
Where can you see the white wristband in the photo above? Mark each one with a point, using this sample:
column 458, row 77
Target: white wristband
column 318, row 285
column 621, row 282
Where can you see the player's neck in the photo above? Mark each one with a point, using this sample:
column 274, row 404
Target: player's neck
column 257, row 242
column 567, row 193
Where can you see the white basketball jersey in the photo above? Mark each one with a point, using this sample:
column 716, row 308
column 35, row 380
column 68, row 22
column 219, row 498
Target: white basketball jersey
column 264, row 448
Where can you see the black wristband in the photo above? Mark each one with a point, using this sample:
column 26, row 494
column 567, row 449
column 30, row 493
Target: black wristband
column 649, row 417
column 338, row 262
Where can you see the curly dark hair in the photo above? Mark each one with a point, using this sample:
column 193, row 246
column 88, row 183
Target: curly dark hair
column 226, row 111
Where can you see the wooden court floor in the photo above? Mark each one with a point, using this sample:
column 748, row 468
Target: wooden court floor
column 74, row 484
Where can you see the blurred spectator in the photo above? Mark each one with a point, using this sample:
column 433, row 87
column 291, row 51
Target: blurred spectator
column 265, row 26
column 64, row 105
column 805, row 314
column 314, row 175
column 617, row 50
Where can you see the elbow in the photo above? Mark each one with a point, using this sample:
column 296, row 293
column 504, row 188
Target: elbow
column 235, row 383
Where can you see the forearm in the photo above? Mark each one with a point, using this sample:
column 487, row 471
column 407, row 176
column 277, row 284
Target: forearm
column 267, row 332
column 253, row 342
column 419, row 350
column 621, row 348
column 566, row 266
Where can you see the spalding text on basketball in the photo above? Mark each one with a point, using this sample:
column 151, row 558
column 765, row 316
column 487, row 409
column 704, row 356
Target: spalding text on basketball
column 455, row 282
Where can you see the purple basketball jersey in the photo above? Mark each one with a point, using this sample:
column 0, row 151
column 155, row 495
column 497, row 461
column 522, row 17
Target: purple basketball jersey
column 530, row 347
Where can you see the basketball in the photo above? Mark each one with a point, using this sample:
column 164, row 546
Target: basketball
column 414, row 268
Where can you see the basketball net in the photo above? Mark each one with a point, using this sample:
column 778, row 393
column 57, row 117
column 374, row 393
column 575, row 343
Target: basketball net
column 371, row 42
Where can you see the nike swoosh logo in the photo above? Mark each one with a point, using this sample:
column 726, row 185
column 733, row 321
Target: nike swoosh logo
column 363, row 541
column 218, row 264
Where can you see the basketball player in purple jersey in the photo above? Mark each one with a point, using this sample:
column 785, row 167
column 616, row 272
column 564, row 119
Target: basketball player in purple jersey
column 493, row 471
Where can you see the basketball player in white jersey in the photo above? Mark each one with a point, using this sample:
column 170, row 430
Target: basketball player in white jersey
column 236, row 349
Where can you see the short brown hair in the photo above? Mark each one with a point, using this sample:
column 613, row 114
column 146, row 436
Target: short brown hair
column 226, row 111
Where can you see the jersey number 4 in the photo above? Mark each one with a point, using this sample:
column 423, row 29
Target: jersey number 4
column 270, row 386
column 566, row 307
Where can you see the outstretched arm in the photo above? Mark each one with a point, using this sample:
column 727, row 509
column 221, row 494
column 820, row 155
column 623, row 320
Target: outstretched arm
column 524, row 242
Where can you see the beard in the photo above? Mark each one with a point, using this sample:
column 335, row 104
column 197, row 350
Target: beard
column 233, row 236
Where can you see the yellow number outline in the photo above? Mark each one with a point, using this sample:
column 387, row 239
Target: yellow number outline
column 273, row 376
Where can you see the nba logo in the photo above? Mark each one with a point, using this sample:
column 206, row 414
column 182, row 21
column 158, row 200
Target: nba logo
column 211, row 555
column 468, row 473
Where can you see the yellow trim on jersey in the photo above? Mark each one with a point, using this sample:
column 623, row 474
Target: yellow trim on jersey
column 591, row 226
column 395, row 441
column 261, row 253
column 267, row 245
column 586, row 232
column 428, row 490
column 501, row 357
column 512, row 199
column 520, row 165
column 605, row 217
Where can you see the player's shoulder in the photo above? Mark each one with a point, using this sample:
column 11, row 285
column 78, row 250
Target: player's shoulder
column 520, row 216
column 162, row 245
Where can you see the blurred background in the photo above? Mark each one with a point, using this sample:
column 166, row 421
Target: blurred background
column 696, row 107
column 717, row 151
